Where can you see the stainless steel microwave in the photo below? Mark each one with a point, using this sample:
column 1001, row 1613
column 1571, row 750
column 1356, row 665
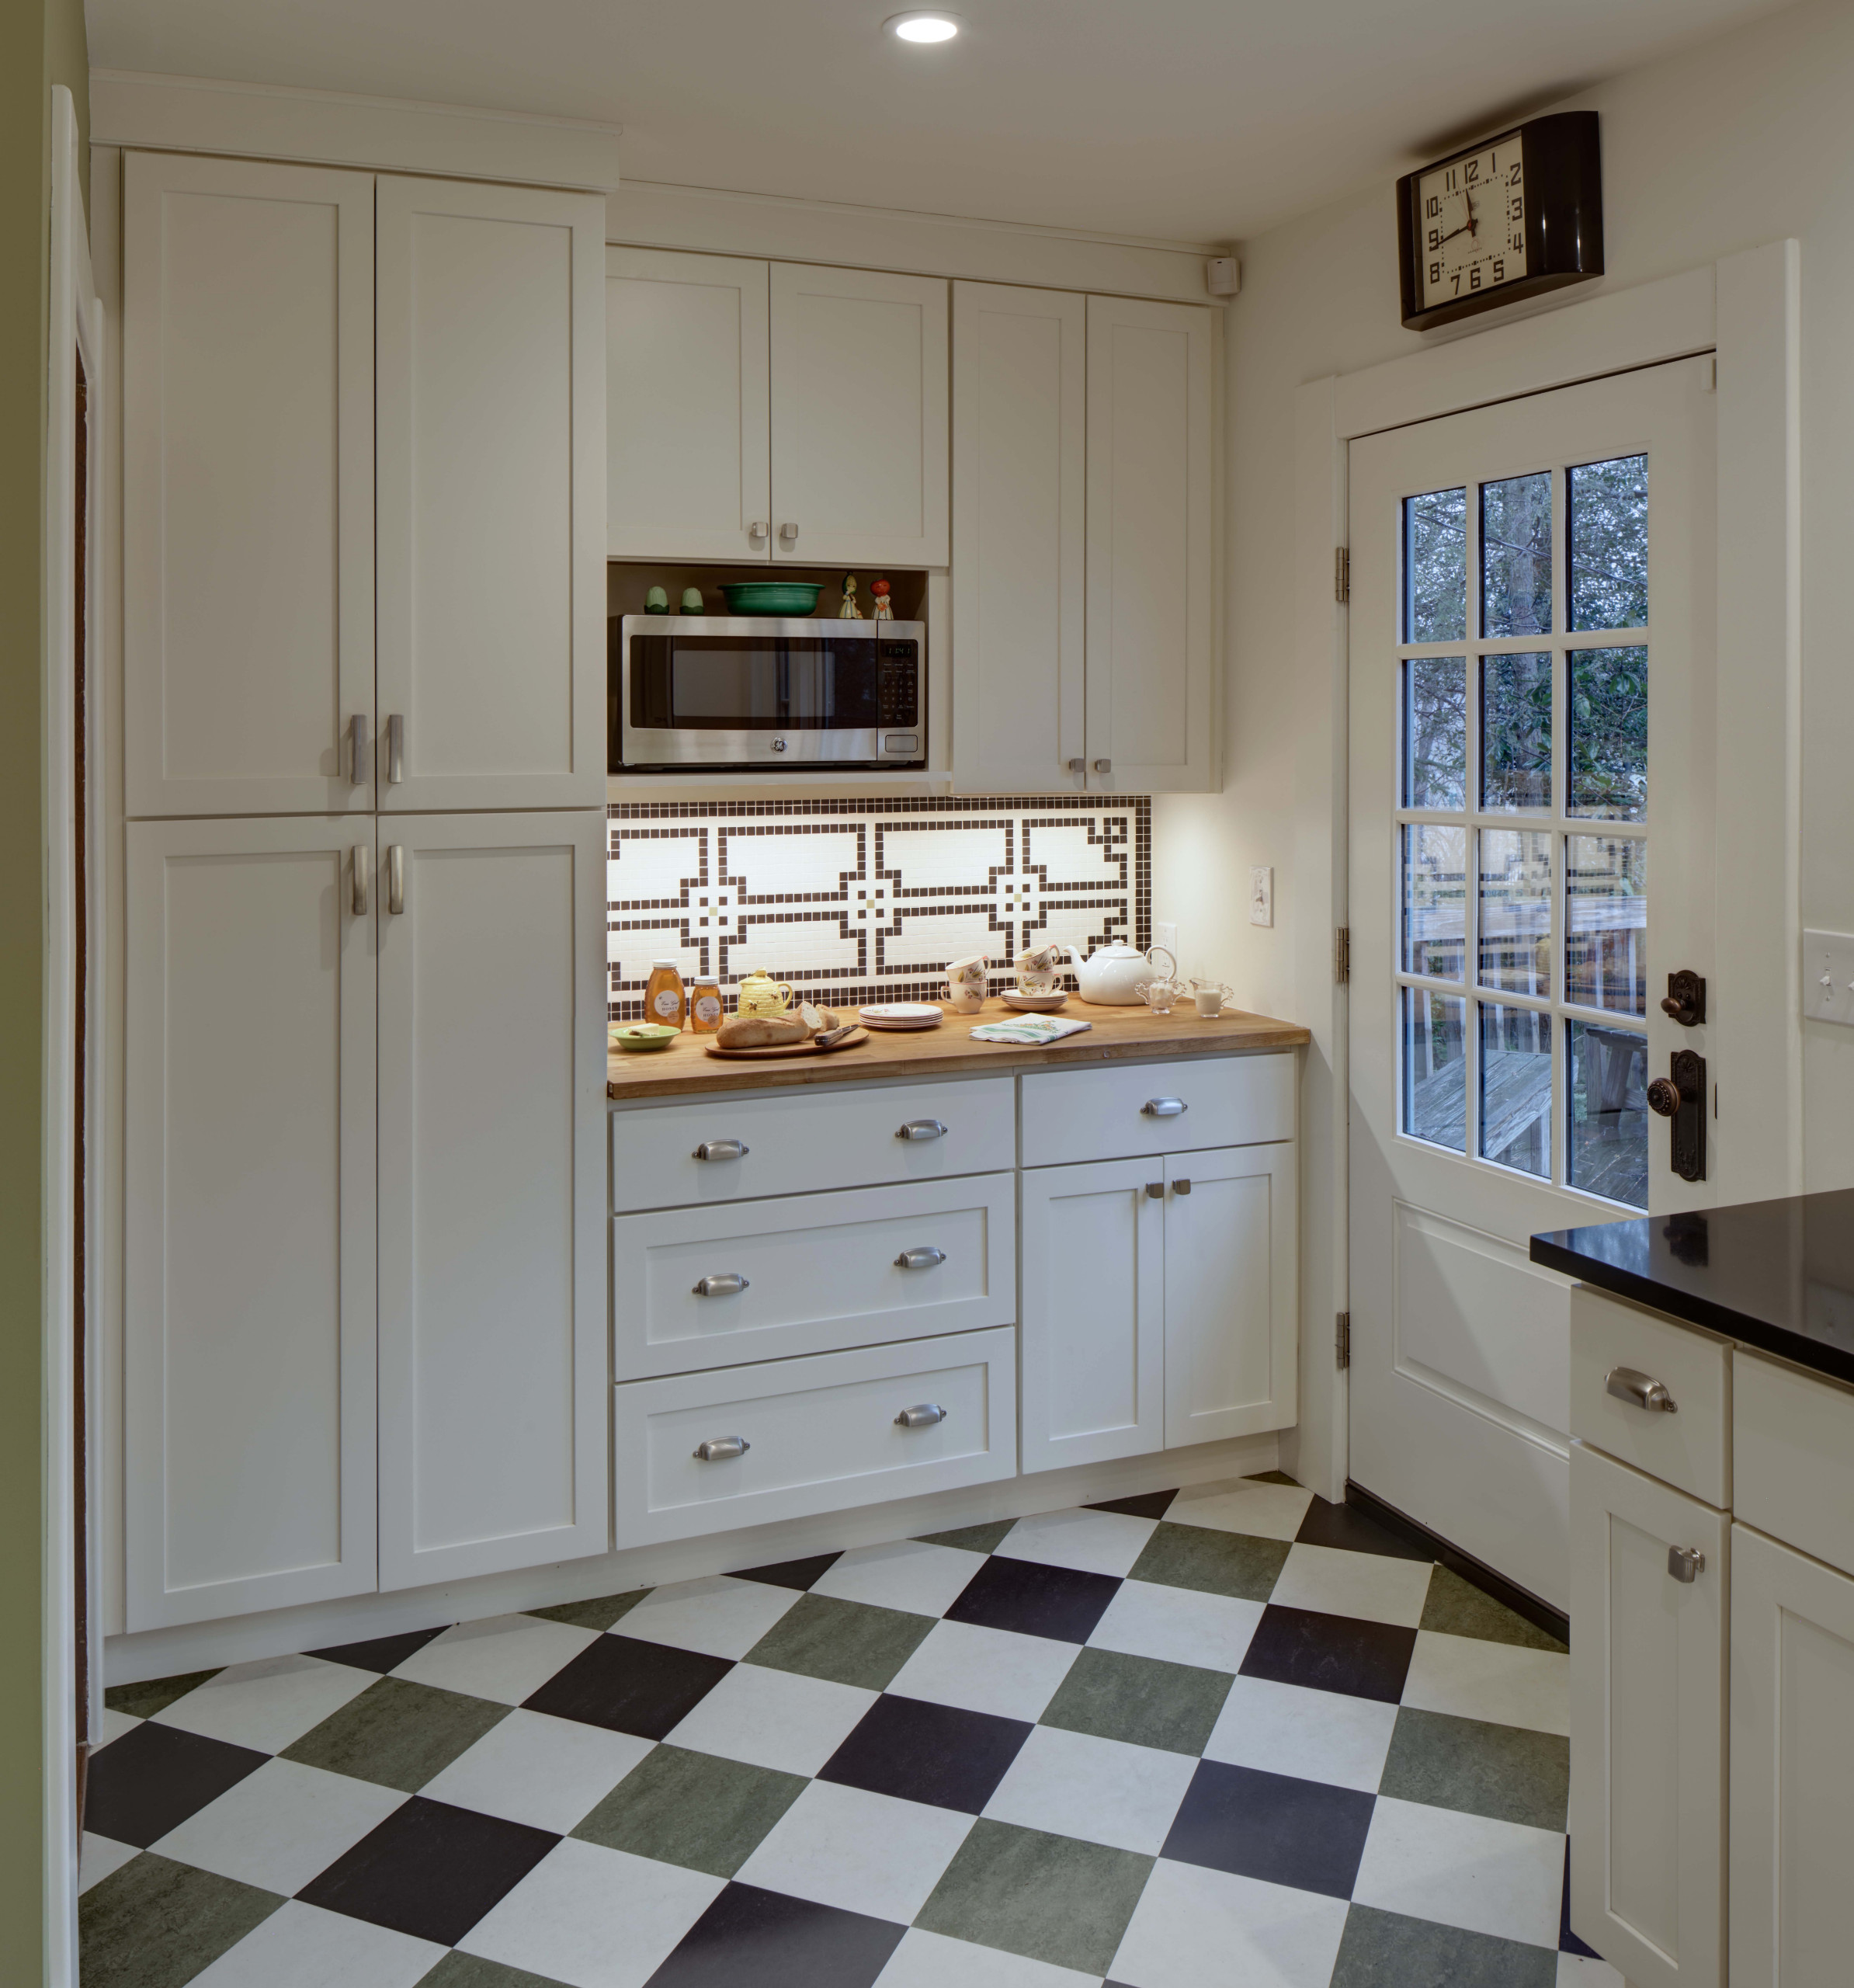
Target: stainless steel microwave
column 724, row 691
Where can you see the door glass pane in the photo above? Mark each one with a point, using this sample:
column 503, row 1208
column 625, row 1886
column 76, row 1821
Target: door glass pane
column 1606, row 922
column 1608, row 527
column 1515, row 556
column 1609, row 757
column 1515, row 911
column 1436, row 566
column 1515, row 730
column 1607, row 1095
column 1435, row 1086
column 1516, row 1088
column 1435, row 899
column 1435, row 731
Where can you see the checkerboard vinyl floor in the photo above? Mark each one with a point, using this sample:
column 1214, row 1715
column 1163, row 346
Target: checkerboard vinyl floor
column 1230, row 1735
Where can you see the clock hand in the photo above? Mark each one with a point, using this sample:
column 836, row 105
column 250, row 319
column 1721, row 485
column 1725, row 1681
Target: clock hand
column 1466, row 228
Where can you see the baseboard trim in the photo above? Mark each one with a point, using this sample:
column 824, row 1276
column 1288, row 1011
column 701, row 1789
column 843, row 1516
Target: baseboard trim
column 1521, row 1601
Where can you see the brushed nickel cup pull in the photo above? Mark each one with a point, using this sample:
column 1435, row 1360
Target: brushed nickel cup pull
column 721, row 1149
column 922, row 1128
column 1686, row 1564
column 363, row 862
column 920, row 1259
column 357, row 750
column 719, row 1449
column 1641, row 1390
column 728, row 1284
column 1180, row 1186
column 923, row 1415
column 1164, row 1108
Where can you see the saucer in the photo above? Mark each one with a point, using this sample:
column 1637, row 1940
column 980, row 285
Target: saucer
column 1040, row 1004
column 901, row 1014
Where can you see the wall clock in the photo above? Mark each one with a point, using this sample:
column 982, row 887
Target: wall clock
column 1511, row 217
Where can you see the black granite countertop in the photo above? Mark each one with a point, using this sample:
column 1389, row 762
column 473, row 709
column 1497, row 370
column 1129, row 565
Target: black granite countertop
column 1776, row 1275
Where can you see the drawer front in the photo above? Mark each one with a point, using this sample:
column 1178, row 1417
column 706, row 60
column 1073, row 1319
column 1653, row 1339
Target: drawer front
column 821, row 1434
column 806, row 1139
column 1103, row 1113
column 1792, row 1438
column 694, row 1288
column 1692, row 1448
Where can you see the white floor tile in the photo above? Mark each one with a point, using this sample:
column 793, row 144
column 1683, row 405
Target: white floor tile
column 593, row 1918
column 931, row 1960
column 1265, row 1511
column 1194, row 1925
column 1580, row 1971
column 532, row 1768
column 1371, row 1586
column 115, row 1724
column 266, row 1705
column 996, row 1671
column 506, row 1658
column 1497, row 1682
column 774, row 1719
column 1313, row 1735
column 719, row 1617
column 862, row 1852
column 1178, row 1625
column 1094, row 1542
column 910, row 1574
column 281, row 1826
column 300, row 1946
column 98, row 1856
column 1466, row 1871
column 1102, row 1791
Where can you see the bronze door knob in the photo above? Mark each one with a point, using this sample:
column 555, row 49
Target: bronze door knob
column 1664, row 1096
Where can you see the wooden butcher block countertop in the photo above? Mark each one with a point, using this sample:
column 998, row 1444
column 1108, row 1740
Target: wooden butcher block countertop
column 1117, row 1035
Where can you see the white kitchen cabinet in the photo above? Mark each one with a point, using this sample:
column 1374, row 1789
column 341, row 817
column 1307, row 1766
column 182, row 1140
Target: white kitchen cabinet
column 248, row 486
column 859, row 410
column 249, row 1184
column 688, row 406
column 492, row 1293
column 1019, row 520
column 491, row 470
column 1647, row 1725
column 1151, row 553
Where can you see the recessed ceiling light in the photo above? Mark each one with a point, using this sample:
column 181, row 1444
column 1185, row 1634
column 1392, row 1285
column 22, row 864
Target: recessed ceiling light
column 921, row 26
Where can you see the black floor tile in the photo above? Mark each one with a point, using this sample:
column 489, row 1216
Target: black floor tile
column 1346, row 1527
column 382, row 1654
column 790, row 1573
column 430, row 1870
column 151, row 1779
column 627, row 1685
column 775, row 1941
column 1035, row 1601
column 1330, row 1653
column 1142, row 1505
column 1271, row 1826
column 939, row 1754
column 1568, row 1942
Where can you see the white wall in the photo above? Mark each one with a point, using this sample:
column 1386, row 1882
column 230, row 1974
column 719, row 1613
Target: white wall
column 1740, row 140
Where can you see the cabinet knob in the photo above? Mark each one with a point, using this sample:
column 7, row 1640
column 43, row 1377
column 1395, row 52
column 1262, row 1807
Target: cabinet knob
column 1103, row 766
column 924, row 1416
column 1639, row 1390
column 920, row 1259
column 1180, row 1186
column 1077, row 766
column 1164, row 1108
column 728, row 1284
column 721, row 1149
column 718, row 1449
column 760, row 528
column 922, row 1128
column 788, row 534
column 1155, row 1190
column 1686, row 1563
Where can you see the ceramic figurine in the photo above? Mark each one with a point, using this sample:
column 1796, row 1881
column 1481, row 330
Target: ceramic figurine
column 656, row 602
column 883, row 611
column 691, row 600
column 849, row 611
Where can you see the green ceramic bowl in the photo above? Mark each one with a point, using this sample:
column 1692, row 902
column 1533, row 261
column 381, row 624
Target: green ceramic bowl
column 644, row 1035
column 791, row 597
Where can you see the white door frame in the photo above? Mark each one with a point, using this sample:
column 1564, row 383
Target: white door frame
column 1746, row 308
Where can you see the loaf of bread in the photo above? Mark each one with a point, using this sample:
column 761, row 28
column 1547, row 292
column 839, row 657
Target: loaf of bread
column 761, row 1031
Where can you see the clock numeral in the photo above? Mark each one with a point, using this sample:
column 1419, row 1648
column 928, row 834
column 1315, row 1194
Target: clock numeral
column 1473, row 171
column 1518, row 240
column 1512, row 174
column 1456, row 290
column 1515, row 208
column 1435, row 237
column 1435, row 273
column 1449, row 180
column 1474, row 277
column 1431, row 208
column 1499, row 269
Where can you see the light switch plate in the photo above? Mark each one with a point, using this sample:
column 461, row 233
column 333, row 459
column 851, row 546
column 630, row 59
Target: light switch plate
column 1164, row 933
column 1829, row 977
column 1261, row 894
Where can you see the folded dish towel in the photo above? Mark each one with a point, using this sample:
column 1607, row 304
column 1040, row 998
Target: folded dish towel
column 1032, row 1029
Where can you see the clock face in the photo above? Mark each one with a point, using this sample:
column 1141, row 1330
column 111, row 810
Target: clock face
column 1471, row 223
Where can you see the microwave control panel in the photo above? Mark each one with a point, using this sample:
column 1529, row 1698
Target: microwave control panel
column 898, row 686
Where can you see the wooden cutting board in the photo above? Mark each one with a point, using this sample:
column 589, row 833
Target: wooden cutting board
column 786, row 1048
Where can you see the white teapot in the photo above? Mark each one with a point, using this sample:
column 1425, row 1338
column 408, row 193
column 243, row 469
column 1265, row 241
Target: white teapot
column 1112, row 976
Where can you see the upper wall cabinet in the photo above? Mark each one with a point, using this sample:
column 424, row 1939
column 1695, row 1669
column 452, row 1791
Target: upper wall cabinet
column 491, row 495
column 248, row 501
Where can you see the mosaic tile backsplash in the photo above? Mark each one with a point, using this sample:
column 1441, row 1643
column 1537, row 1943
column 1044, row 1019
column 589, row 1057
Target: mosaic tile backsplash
column 859, row 901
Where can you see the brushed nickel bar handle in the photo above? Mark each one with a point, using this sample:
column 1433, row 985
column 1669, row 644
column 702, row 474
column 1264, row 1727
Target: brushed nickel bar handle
column 363, row 862
column 396, row 879
column 395, row 749
column 357, row 749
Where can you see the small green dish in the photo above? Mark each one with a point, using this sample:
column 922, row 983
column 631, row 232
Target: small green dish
column 644, row 1035
column 790, row 597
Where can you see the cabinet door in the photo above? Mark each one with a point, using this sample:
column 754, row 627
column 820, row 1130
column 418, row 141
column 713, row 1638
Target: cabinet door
column 491, row 488
column 1648, row 1727
column 1151, row 600
column 859, row 418
column 688, row 412
column 1093, row 1312
column 492, row 1351
column 1230, row 1341
column 1020, row 515
column 248, row 486
column 249, row 1297
column 1792, row 1766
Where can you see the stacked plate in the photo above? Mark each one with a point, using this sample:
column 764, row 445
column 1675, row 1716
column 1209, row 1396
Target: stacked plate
column 900, row 1014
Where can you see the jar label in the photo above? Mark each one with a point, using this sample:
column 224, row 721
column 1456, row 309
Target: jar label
column 708, row 1009
column 669, row 1003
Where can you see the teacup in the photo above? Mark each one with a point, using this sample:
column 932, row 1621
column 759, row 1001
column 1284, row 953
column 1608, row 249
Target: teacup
column 966, row 984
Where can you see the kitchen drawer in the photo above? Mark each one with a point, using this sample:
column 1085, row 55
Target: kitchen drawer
column 821, row 1137
column 1792, row 1439
column 1101, row 1113
column 821, row 1434
column 821, row 1270
column 1691, row 1448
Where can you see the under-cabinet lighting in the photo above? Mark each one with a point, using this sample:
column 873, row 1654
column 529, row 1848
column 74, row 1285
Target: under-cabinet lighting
column 921, row 26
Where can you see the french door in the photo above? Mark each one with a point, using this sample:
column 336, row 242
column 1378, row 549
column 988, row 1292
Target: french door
column 1531, row 741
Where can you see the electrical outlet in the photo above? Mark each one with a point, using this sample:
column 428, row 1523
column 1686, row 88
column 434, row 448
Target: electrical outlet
column 1829, row 977
column 1164, row 933
column 1261, row 894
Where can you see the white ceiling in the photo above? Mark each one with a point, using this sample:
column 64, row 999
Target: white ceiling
column 1194, row 120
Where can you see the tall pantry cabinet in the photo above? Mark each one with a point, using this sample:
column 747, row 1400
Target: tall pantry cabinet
column 363, row 669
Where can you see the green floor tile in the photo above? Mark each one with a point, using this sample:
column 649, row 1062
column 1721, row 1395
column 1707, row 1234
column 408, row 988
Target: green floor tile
column 1386, row 1950
column 1506, row 1771
column 1214, row 1562
column 1458, row 1608
column 973, row 1539
column 849, row 1642
column 397, row 1734
column 694, row 1810
column 458, row 1970
column 1050, row 1897
column 155, row 1923
column 600, row 1613
column 1140, row 1700
column 1275, row 1477
column 144, row 1700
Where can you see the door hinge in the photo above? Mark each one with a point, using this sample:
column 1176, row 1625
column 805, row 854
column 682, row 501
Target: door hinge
column 1341, row 954
column 1342, row 574
column 1342, row 1341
